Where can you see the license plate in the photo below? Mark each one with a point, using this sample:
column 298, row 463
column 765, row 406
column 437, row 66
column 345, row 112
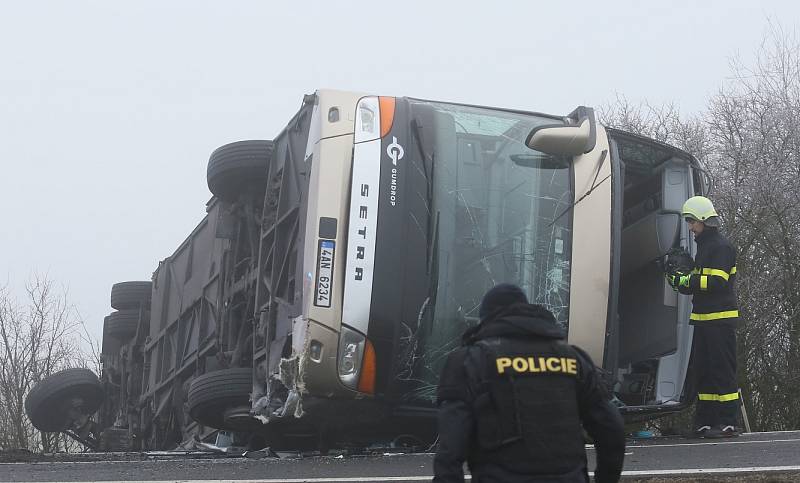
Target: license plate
column 324, row 285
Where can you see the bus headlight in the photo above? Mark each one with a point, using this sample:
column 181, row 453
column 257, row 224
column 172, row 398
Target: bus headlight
column 366, row 117
column 351, row 353
column 368, row 120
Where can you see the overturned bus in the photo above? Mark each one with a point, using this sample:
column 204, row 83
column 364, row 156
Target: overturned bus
column 340, row 263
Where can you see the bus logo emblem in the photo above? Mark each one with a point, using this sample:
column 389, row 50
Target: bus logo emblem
column 395, row 151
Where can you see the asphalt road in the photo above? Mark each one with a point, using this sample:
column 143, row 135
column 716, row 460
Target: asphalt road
column 751, row 457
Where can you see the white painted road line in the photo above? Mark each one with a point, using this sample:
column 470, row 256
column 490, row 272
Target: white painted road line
column 355, row 479
column 362, row 479
column 711, row 443
column 700, row 471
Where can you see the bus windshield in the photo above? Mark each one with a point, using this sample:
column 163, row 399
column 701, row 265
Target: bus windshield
column 500, row 213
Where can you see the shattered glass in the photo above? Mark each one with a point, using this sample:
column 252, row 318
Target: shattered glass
column 503, row 216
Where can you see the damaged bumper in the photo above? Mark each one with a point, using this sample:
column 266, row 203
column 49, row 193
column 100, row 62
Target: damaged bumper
column 309, row 373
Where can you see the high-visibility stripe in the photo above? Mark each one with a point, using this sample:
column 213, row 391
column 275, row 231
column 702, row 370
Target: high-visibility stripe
column 728, row 314
column 703, row 282
column 718, row 397
column 718, row 273
column 733, row 270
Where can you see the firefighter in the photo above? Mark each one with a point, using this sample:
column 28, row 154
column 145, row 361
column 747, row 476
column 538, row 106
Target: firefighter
column 512, row 400
column 714, row 316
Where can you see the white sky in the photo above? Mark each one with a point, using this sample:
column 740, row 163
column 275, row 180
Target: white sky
column 109, row 109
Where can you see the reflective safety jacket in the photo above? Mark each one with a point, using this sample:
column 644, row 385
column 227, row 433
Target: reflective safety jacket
column 512, row 403
column 712, row 282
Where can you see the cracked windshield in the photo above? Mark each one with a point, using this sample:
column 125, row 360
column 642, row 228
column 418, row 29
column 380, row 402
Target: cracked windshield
column 500, row 213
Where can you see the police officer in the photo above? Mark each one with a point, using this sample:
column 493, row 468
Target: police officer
column 513, row 397
column 714, row 315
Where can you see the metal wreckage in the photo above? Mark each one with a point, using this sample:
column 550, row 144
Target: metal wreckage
column 339, row 264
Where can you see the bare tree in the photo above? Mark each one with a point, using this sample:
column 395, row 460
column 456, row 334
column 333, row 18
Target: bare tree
column 38, row 336
column 663, row 123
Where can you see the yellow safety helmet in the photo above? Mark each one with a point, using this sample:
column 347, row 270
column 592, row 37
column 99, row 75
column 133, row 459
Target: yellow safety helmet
column 700, row 208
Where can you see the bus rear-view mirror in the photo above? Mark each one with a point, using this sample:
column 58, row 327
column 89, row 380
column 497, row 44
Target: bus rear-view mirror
column 576, row 137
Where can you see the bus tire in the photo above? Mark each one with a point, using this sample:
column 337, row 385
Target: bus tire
column 238, row 167
column 48, row 402
column 212, row 393
column 130, row 295
column 122, row 324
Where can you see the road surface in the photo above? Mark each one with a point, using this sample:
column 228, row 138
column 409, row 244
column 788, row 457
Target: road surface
column 751, row 457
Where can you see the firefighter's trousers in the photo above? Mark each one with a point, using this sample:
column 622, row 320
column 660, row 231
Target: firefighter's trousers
column 714, row 354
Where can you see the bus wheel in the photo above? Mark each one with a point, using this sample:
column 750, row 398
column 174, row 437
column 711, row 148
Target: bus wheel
column 238, row 418
column 55, row 402
column 121, row 324
column 130, row 295
column 239, row 168
column 211, row 394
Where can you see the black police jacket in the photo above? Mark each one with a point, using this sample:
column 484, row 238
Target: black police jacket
column 713, row 280
column 513, row 399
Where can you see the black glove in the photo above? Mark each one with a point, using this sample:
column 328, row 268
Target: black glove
column 678, row 260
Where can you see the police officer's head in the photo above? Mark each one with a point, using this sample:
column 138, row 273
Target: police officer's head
column 501, row 295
